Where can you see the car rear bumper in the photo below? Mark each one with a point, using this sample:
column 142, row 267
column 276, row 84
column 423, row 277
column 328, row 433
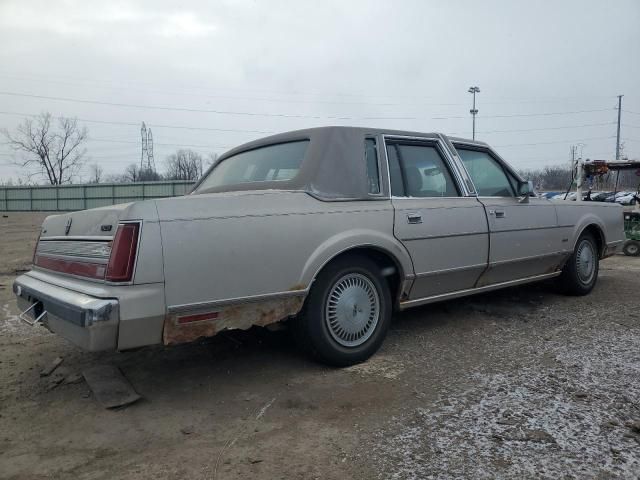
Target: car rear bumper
column 89, row 322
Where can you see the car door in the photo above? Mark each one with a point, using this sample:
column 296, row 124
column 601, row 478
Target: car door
column 444, row 230
column 524, row 238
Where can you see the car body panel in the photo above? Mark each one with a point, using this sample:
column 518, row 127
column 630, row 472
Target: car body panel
column 525, row 238
column 449, row 248
column 237, row 257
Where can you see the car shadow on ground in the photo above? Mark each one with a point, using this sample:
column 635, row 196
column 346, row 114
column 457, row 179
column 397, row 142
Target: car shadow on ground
column 234, row 358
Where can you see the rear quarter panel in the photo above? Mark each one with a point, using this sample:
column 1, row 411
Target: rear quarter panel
column 574, row 217
column 221, row 247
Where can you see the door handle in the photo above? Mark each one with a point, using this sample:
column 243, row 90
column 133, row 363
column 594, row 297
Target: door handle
column 497, row 213
column 414, row 218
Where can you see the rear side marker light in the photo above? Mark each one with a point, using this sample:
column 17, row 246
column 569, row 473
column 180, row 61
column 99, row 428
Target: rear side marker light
column 123, row 253
column 199, row 317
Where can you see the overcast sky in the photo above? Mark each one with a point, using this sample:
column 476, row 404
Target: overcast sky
column 232, row 71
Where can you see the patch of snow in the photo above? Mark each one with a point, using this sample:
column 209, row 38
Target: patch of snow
column 563, row 419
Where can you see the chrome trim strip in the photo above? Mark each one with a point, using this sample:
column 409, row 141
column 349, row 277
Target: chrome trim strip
column 74, row 258
column 526, row 229
column 451, row 270
column 231, row 301
column 75, row 249
column 470, row 291
column 435, row 237
column 89, row 238
column 532, row 257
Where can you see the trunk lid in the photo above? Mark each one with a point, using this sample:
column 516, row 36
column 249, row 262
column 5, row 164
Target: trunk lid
column 97, row 223
column 81, row 243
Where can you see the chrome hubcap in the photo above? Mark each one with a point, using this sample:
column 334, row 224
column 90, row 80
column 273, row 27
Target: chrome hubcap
column 352, row 310
column 585, row 260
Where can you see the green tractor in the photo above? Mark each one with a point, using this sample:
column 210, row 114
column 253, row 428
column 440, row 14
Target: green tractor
column 632, row 232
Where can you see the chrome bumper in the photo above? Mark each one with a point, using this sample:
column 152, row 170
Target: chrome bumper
column 89, row 322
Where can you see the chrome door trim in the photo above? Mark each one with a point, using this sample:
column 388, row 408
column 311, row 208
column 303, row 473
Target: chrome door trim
column 230, row 301
column 471, row 291
column 451, row 270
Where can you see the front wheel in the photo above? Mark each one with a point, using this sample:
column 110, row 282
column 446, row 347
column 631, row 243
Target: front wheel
column 631, row 248
column 580, row 273
column 347, row 313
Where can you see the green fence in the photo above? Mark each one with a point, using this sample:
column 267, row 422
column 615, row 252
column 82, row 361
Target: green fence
column 81, row 197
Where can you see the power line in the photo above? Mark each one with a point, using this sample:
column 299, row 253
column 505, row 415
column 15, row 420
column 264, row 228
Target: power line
column 554, row 142
column 127, row 86
column 281, row 115
column 155, row 125
column 198, row 110
column 111, row 140
column 524, row 130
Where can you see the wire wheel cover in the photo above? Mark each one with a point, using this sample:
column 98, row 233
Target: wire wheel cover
column 352, row 310
column 585, row 262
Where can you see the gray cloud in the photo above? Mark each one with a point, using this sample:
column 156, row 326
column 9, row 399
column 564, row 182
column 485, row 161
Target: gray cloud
column 404, row 64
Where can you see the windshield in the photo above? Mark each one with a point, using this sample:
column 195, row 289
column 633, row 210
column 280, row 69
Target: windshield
column 264, row 164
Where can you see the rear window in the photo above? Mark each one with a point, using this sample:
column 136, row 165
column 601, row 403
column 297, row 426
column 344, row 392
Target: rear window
column 278, row 162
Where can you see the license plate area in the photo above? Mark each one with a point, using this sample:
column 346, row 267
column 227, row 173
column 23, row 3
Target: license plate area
column 34, row 314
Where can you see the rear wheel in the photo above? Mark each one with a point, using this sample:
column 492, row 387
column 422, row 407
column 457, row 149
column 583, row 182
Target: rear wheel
column 631, row 248
column 347, row 313
column 580, row 273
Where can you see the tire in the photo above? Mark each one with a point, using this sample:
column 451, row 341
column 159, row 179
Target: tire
column 580, row 273
column 631, row 248
column 338, row 324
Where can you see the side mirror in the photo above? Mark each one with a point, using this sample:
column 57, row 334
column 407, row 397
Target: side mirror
column 525, row 189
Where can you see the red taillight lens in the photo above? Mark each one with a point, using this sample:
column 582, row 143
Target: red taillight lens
column 123, row 253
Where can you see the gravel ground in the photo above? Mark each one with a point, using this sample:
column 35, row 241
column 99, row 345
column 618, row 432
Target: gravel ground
column 522, row 383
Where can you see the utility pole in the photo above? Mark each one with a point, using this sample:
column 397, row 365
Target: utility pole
column 474, row 110
column 618, row 135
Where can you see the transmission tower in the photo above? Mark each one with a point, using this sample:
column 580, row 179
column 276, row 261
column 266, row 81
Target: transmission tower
column 143, row 134
column 151, row 164
column 146, row 155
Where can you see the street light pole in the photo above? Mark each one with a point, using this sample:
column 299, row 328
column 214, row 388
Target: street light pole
column 474, row 110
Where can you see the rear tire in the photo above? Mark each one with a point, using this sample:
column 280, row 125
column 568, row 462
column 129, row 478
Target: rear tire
column 580, row 273
column 347, row 313
column 631, row 248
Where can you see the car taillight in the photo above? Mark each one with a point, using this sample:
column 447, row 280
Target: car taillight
column 123, row 253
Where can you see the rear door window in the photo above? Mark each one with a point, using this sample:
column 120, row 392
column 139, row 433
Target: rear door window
column 418, row 170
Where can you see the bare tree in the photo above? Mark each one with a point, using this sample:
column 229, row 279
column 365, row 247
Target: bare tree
column 184, row 165
column 95, row 173
column 133, row 173
column 54, row 151
column 549, row 178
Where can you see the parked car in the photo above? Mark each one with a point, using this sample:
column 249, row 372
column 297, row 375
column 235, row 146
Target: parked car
column 629, row 198
column 549, row 194
column 600, row 196
column 332, row 228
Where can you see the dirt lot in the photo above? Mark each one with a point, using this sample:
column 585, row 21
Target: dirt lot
column 517, row 384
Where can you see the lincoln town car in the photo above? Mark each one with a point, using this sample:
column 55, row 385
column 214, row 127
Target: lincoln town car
column 329, row 230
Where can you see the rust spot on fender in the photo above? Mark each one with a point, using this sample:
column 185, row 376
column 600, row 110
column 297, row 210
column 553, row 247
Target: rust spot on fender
column 297, row 286
column 240, row 316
